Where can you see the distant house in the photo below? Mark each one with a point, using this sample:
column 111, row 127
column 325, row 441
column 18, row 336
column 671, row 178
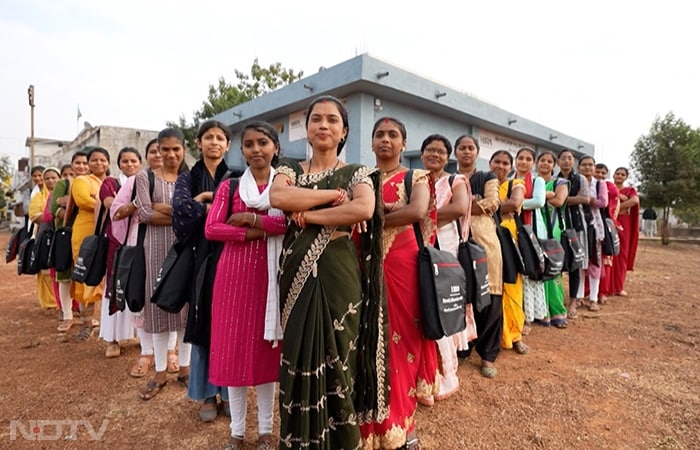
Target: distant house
column 110, row 138
column 55, row 152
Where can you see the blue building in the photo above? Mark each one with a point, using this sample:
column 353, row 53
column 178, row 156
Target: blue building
column 371, row 89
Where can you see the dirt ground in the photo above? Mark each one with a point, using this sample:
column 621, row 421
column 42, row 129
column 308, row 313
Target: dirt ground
column 627, row 377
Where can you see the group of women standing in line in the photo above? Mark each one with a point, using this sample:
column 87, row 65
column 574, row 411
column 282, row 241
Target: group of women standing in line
column 312, row 271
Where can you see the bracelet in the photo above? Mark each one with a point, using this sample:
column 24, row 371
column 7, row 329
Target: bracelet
column 255, row 220
column 342, row 193
column 300, row 219
column 133, row 203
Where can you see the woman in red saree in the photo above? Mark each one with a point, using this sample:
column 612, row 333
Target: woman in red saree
column 628, row 218
column 412, row 359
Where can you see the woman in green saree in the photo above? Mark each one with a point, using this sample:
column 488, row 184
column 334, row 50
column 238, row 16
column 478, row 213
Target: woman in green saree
column 333, row 311
column 557, row 191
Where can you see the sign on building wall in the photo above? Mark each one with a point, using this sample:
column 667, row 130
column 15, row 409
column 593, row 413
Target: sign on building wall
column 490, row 142
column 297, row 126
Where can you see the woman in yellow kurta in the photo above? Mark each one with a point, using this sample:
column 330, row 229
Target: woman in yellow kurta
column 44, row 288
column 513, row 314
column 84, row 193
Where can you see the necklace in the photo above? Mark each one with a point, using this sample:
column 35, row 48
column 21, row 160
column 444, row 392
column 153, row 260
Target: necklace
column 391, row 172
column 311, row 162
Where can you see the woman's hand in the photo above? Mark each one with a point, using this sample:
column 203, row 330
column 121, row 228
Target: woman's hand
column 360, row 227
column 241, row 219
column 62, row 201
column 162, row 208
column 124, row 211
column 253, row 234
column 204, row 197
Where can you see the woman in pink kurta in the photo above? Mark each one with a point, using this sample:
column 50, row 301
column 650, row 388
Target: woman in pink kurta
column 245, row 326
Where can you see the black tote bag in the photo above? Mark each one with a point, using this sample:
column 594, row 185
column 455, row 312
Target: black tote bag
column 91, row 265
column 472, row 257
column 26, row 265
column 442, row 286
column 512, row 261
column 552, row 248
column 611, row 239
column 19, row 235
column 173, row 287
column 129, row 278
column 442, row 283
column 42, row 248
column 574, row 254
column 530, row 250
column 129, row 274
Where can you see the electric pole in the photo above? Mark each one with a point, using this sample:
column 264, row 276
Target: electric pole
column 30, row 91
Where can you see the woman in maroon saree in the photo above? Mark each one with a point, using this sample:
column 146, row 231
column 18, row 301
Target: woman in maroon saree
column 628, row 218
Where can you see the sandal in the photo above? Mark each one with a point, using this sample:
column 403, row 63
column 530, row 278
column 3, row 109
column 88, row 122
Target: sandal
column 235, row 443
column 173, row 363
column 85, row 333
column 593, row 307
column 561, row 325
column 209, row 410
column 113, row 350
column 520, row 348
column 573, row 315
column 488, row 372
column 65, row 326
column 265, row 442
column 142, row 366
column 412, row 444
column 152, row 389
column 427, row 401
column 603, row 300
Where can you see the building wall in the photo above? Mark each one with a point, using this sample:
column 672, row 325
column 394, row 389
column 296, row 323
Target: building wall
column 112, row 139
column 372, row 89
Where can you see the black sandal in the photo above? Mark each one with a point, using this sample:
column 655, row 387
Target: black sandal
column 85, row 333
column 152, row 389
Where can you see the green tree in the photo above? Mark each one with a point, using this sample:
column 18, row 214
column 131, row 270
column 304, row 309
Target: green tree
column 225, row 95
column 689, row 215
column 6, row 168
column 667, row 164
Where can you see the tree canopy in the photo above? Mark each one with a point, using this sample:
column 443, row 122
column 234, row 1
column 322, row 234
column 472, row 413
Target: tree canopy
column 225, row 95
column 6, row 168
column 666, row 162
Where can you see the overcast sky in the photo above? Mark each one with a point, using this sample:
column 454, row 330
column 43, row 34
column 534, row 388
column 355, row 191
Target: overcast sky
column 600, row 71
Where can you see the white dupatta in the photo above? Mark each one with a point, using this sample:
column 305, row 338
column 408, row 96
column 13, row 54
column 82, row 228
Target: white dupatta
column 248, row 190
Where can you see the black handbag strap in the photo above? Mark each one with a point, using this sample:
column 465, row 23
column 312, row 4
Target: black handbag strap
column 408, row 184
column 142, row 226
column 101, row 223
column 74, row 213
column 547, row 221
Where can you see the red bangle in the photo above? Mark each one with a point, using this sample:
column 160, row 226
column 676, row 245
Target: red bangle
column 299, row 219
column 342, row 193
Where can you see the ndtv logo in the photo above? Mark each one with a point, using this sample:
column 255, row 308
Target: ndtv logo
column 53, row 430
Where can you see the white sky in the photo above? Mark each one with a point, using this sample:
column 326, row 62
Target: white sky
column 600, row 71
